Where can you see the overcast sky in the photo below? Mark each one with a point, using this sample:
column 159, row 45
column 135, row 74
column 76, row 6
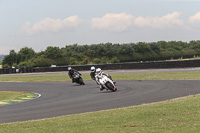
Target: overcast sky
column 41, row 23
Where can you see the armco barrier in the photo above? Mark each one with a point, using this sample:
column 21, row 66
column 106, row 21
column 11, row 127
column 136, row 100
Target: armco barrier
column 130, row 65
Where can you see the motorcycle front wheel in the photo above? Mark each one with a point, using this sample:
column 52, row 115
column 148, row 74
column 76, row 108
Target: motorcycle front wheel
column 81, row 81
column 110, row 86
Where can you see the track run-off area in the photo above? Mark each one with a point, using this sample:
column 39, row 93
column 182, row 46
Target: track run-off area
column 65, row 98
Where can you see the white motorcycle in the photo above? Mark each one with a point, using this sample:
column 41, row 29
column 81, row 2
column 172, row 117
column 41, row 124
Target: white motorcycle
column 107, row 83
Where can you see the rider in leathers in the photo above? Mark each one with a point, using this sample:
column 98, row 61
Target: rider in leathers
column 93, row 73
column 71, row 73
column 99, row 74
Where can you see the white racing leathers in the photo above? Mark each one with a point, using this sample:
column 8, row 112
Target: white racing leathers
column 105, row 82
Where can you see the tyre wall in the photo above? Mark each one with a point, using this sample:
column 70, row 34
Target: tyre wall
column 130, row 65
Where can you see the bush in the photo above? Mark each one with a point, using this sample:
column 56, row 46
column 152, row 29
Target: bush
column 73, row 61
column 85, row 61
column 115, row 60
column 15, row 65
column 6, row 66
column 42, row 62
column 96, row 61
column 25, row 63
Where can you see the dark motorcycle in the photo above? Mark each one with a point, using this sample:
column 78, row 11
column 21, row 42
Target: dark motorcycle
column 78, row 79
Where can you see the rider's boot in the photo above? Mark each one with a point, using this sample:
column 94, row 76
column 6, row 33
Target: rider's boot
column 101, row 88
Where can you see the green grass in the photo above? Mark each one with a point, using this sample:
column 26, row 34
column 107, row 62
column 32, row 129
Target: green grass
column 152, row 76
column 12, row 95
column 173, row 116
column 129, row 76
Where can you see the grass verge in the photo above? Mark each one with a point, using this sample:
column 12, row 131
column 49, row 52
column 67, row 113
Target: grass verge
column 7, row 97
column 12, row 95
column 128, row 76
column 178, row 115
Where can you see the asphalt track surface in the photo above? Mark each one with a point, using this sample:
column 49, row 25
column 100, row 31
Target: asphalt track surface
column 65, row 98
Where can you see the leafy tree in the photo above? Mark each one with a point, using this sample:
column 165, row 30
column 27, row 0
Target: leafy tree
column 53, row 52
column 103, row 53
column 73, row 61
column 10, row 59
column 126, row 49
column 42, row 62
column 25, row 54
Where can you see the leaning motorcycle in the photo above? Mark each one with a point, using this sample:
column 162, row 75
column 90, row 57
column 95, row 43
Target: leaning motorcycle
column 107, row 83
column 78, row 79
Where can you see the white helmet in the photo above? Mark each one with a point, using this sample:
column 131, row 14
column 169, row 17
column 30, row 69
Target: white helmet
column 98, row 71
column 93, row 68
column 69, row 68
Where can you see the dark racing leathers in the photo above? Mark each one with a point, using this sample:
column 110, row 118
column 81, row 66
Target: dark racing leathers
column 92, row 75
column 71, row 73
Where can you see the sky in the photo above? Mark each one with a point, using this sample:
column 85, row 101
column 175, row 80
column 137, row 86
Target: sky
column 38, row 24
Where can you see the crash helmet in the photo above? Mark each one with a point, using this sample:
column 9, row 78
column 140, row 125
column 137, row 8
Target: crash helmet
column 92, row 68
column 69, row 68
column 98, row 71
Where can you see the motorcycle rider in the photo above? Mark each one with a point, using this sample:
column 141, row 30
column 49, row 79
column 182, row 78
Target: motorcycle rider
column 93, row 72
column 71, row 73
column 99, row 74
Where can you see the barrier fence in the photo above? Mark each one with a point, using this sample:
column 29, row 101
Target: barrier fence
column 130, row 65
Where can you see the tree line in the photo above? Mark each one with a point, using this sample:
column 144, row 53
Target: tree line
column 1, row 58
column 102, row 53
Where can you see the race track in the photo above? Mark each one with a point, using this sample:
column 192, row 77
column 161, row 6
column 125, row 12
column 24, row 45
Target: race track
column 64, row 98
